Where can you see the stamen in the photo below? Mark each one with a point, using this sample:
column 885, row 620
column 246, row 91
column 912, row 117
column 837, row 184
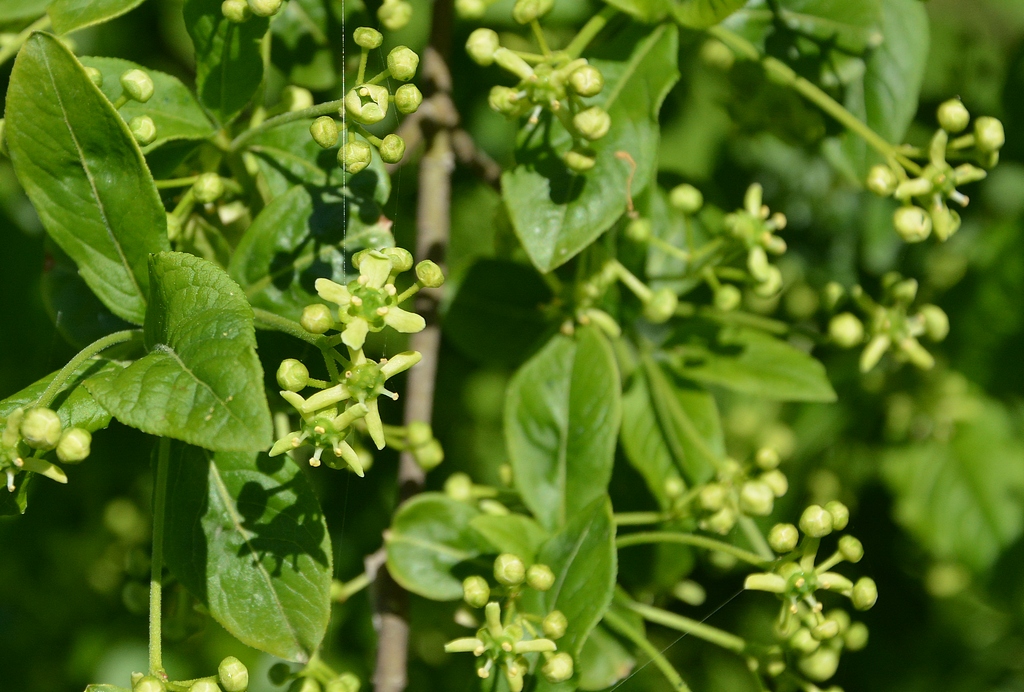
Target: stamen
column 382, row 310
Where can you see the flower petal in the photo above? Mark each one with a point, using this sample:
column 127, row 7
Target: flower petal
column 400, row 363
column 376, row 268
column 355, row 333
column 286, row 443
column 333, row 292
column 344, row 450
column 404, row 321
column 374, row 425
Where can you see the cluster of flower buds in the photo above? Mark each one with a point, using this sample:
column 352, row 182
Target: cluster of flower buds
column 755, row 227
column 232, row 676
column 741, row 490
column 239, row 11
column 367, row 304
column 552, row 81
column 512, row 643
column 136, row 85
column 925, row 198
column 315, row 677
column 890, row 326
column 26, row 435
column 368, row 103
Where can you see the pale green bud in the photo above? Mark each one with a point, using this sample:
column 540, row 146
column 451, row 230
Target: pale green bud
column 505, row 100
column 233, row 675
column 402, row 63
column 316, row 318
column 148, row 684
column 593, row 123
column 816, row 522
column 137, row 85
column 586, row 80
column 803, row 641
column 821, row 665
column 988, row 134
column 721, row 522
column 953, row 116
column 509, row 569
column 41, row 428
column 418, row 433
column 408, row 98
column 236, row 11
column 95, row 76
column 639, row 230
column 662, row 306
column 558, row 668
column 851, row 549
column 367, row 104
column 945, row 221
column 686, row 198
column 554, row 624
column 912, row 223
column 771, row 284
column 74, row 446
column 324, row 131
column 208, row 187
column 296, row 98
column 470, row 9
column 856, row 637
column 579, row 162
column 712, row 496
column 525, row 11
column 459, row 487
column 204, row 686
column 355, row 156
column 346, row 682
column 756, row 498
column 394, row 14
column 392, row 149
column 475, row 591
column 368, row 38
column 777, row 481
column 481, row 45
column 829, row 629
column 767, row 458
column 718, row 55
column 881, row 180
column 846, row 330
column 429, row 274
column 292, row 375
column 674, row 487
column 783, row 538
column 728, row 298
column 865, row 593
column 540, row 577
column 401, row 259
column 840, row 514
column 264, row 8
column 143, row 129
column 429, row 456
column 936, row 322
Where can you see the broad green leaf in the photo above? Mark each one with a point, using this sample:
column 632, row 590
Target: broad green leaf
column 512, row 533
column 246, row 536
column 562, row 414
column 302, row 47
column 298, row 238
column 852, row 27
column 961, row 499
column 603, row 660
column 556, row 214
column 643, row 440
column 229, row 64
column 752, row 362
column 173, row 108
column 429, row 536
column 14, row 11
column 700, row 14
column 201, row 381
column 644, row 10
column 85, row 174
column 492, row 324
column 69, row 15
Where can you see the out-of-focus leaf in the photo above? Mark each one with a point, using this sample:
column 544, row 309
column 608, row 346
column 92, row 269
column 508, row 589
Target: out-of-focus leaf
column 644, row 441
column 12, row 11
column 69, row 15
column 512, row 533
column 301, row 46
column 603, row 660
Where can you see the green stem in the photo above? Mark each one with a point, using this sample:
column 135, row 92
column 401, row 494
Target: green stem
column 85, row 354
column 619, row 624
column 638, row 287
column 304, row 114
column 120, row 101
column 12, row 48
column 176, row 182
column 708, row 633
column 638, row 518
column 155, row 585
column 645, row 537
column 757, row 540
column 784, row 74
column 342, row 591
column 538, row 33
column 266, row 320
column 589, row 31
column 669, row 248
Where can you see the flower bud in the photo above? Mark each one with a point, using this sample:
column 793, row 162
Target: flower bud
column 233, row 675
column 296, row 98
column 777, row 481
column 712, row 497
column 204, row 686
column 674, row 487
column 727, row 297
column 418, row 433
column 508, row 60
column 95, row 76
column 718, row 55
column 137, row 85
column 721, row 522
column 505, row 100
column 324, row 131
column 829, row 629
column 767, row 458
column 264, row 8
column 558, row 668
column 470, row 9
column 639, row 230
column 429, row 274
column 408, row 98
column 686, row 198
column 579, row 162
column 143, row 129
column 236, row 11
column 475, row 591
column 586, row 80
column 392, row 149
column 355, row 156
column 481, row 45
column 881, row 180
column 816, row 522
column 936, row 322
column 593, row 123
column 346, row 682
column 865, row 593
column 208, row 187
column 945, row 221
column 953, row 116
column 803, row 641
column 912, row 223
column 851, row 549
column 856, row 636
column 459, row 486
column 367, row 104
column 783, row 538
column 988, row 134
column 757, row 499
column 368, row 38
column 74, row 446
column 402, row 63
column 41, row 428
column 821, row 665
column 292, row 375
column 840, row 514
column 661, row 306
column 540, row 577
column 429, row 456
column 316, row 318
column 148, row 684
column 526, row 11
column 509, row 570
column 771, row 284
column 846, row 330
column 394, row 14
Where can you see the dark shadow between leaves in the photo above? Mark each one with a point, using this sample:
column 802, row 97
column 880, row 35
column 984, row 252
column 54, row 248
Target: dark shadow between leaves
column 539, row 151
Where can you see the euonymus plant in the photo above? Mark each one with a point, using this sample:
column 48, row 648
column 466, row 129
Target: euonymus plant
column 192, row 219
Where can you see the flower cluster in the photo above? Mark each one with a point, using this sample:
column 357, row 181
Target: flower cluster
column 232, row 676
column 741, row 490
column 756, row 228
column 138, row 86
column 29, row 434
column 513, row 643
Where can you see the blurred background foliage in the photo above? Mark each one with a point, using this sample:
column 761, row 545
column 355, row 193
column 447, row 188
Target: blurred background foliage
column 932, row 464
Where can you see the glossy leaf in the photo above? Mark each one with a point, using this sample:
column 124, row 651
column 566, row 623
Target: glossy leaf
column 69, row 15
column 229, row 64
column 201, row 381
column 173, row 108
column 512, row 533
column 562, row 415
column 85, row 174
column 12, row 11
column 302, row 47
column 429, row 536
column 555, row 214
column 246, row 536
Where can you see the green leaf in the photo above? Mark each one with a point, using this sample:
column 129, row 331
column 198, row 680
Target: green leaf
column 302, row 47
column 15, row 11
column 512, row 533
column 700, row 14
column 556, row 214
column 229, row 64
column 562, row 414
column 429, row 536
column 173, row 108
column 85, row 174
column 853, row 27
column 493, row 324
column 298, row 238
column 246, row 536
column 643, row 440
column 201, row 381
column 69, row 15
column 603, row 660
column 961, row 499
column 752, row 362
